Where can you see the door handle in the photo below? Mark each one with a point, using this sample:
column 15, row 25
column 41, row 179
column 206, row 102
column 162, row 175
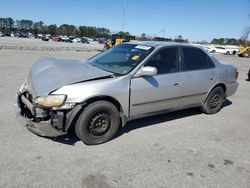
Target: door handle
column 177, row 84
column 212, row 78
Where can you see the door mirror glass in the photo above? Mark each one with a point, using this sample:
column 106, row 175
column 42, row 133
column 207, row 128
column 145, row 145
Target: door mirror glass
column 147, row 71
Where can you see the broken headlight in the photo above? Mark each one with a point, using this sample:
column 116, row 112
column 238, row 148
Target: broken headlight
column 51, row 100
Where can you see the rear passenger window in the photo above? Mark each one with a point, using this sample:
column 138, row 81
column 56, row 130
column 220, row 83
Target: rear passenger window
column 196, row 59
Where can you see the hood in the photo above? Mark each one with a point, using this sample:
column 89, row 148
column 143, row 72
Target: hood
column 48, row 74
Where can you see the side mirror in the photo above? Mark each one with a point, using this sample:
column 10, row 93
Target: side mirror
column 147, row 71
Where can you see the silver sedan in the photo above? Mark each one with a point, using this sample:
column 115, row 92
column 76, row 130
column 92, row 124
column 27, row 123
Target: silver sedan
column 128, row 81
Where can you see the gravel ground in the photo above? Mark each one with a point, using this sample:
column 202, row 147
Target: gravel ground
column 12, row 43
column 181, row 149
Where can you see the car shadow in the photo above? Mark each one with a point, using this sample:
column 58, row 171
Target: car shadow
column 152, row 120
column 71, row 138
column 68, row 139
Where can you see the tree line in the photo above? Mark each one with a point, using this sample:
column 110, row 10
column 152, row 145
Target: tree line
column 228, row 41
column 8, row 25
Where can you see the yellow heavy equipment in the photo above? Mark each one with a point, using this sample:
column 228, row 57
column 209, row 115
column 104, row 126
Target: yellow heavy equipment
column 117, row 39
column 244, row 51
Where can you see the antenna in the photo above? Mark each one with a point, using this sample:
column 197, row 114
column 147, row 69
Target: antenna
column 123, row 14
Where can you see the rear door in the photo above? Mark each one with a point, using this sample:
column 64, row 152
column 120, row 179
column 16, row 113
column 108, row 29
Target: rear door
column 200, row 75
column 160, row 92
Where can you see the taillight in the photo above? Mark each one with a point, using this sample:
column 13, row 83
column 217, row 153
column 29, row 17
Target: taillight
column 236, row 75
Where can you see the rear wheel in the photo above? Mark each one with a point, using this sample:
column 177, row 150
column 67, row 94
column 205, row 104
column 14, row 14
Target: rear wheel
column 227, row 53
column 98, row 123
column 214, row 101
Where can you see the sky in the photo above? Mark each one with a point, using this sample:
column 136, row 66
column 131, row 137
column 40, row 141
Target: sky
column 195, row 20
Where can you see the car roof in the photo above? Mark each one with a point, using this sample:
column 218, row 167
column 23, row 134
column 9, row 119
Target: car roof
column 160, row 43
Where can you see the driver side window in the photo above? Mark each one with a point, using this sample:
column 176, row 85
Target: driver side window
column 166, row 61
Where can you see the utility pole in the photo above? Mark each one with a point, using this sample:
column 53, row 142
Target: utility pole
column 123, row 15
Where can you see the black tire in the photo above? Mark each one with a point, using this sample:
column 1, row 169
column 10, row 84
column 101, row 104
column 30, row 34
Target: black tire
column 98, row 123
column 213, row 51
column 246, row 54
column 227, row 53
column 214, row 101
column 248, row 75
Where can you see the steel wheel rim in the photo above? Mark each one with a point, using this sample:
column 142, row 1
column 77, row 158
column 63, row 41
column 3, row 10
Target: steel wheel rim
column 215, row 100
column 99, row 123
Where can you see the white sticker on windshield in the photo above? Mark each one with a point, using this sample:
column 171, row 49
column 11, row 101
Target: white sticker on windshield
column 143, row 47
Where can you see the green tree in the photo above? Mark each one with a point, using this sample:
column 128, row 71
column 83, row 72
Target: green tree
column 38, row 27
column 218, row 41
column 6, row 24
column 123, row 34
column 2, row 24
column 26, row 25
column 52, row 29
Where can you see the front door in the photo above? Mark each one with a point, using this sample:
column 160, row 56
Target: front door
column 160, row 92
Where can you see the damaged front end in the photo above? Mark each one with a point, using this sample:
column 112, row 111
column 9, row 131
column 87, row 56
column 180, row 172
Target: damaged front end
column 50, row 121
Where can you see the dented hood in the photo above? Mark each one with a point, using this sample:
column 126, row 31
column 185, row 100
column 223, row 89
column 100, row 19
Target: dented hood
column 48, row 74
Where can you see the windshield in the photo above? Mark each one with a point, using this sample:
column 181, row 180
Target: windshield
column 121, row 59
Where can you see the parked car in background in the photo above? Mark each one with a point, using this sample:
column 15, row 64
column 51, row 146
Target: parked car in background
column 30, row 35
column 21, row 35
column 126, row 82
column 56, row 39
column 45, row 38
column 89, row 39
column 12, row 34
column 76, row 40
column 84, row 40
column 65, row 39
column 102, row 41
column 221, row 50
column 235, row 49
column 40, row 36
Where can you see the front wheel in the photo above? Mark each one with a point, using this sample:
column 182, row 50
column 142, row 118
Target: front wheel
column 214, row 101
column 98, row 123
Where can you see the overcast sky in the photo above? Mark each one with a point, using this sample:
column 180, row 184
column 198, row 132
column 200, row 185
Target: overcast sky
column 193, row 19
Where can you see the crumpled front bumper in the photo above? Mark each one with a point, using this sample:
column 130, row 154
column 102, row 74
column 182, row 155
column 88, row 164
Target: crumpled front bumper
column 41, row 128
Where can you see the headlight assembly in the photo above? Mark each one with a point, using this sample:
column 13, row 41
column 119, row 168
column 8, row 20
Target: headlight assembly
column 51, row 100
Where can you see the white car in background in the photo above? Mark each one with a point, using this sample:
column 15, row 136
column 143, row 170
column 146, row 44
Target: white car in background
column 89, row 39
column 222, row 50
column 233, row 48
column 76, row 40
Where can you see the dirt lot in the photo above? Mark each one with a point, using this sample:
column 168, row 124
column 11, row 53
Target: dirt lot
column 181, row 149
column 11, row 43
